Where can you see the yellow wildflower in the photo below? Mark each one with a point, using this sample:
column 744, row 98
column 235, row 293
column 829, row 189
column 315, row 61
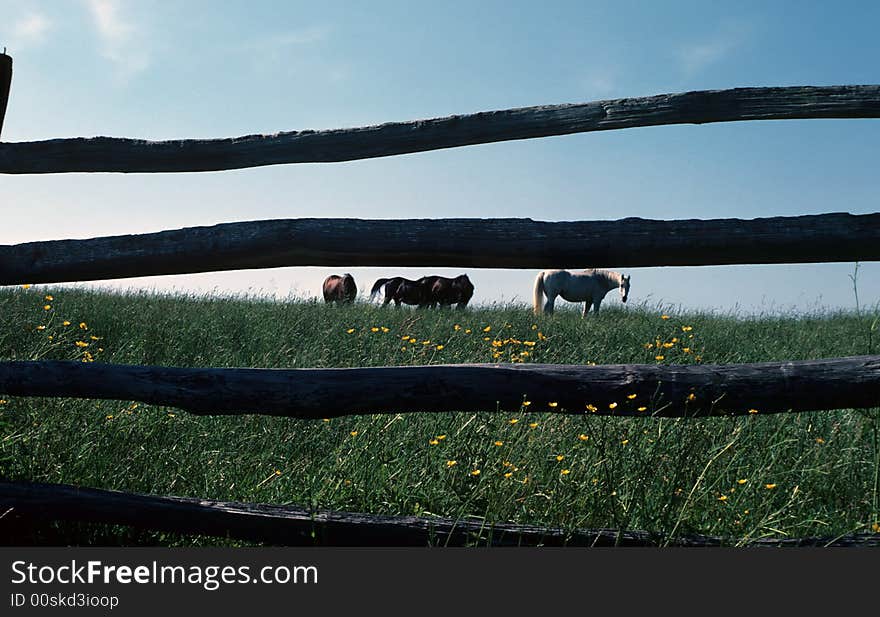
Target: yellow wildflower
column 433, row 442
column 526, row 403
column 513, row 420
column 47, row 307
column 742, row 480
column 499, row 443
column 553, row 404
column 451, row 463
column 691, row 397
column 559, row 457
column 439, row 347
column 660, row 357
column 487, row 328
column 565, row 472
column 624, row 442
column 612, row 405
column 592, row 408
column 475, row 472
column 508, row 474
column 353, row 433
column 664, row 316
column 441, row 437
column 686, row 328
column 81, row 344
column 753, row 411
column 769, row 486
column 374, row 329
column 65, row 323
column 533, row 425
column 722, row 498
column 631, row 396
column 83, row 326
column 583, row 437
column 642, row 409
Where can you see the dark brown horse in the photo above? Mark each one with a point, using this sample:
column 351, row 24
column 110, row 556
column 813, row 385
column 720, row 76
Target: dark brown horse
column 426, row 292
column 402, row 290
column 448, row 291
column 340, row 288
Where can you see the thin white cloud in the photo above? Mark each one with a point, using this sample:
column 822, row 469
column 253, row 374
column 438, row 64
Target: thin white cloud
column 275, row 46
column 600, row 83
column 121, row 41
column 28, row 31
column 698, row 56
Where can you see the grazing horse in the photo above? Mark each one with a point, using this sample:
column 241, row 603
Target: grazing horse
column 589, row 287
column 340, row 288
column 448, row 291
column 403, row 290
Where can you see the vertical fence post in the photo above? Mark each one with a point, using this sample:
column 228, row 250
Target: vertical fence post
column 5, row 84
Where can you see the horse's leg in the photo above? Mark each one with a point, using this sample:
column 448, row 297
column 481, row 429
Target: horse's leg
column 548, row 306
column 596, row 304
column 586, row 309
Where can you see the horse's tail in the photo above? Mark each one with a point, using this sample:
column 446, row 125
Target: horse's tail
column 377, row 286
column 539, row 293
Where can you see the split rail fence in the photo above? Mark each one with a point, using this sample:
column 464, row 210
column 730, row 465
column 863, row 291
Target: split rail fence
column 794, row 386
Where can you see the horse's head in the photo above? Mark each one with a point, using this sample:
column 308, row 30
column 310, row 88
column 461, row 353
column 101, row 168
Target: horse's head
column 624, row 288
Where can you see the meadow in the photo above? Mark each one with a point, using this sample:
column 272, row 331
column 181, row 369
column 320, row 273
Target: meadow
column 744, row 478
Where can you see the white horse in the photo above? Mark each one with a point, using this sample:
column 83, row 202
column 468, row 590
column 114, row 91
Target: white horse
column 589, row 287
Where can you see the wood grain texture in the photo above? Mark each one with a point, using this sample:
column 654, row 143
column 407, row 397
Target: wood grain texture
column 727, row 389
column 108, row 154
column 472, row 243
column 297, row 526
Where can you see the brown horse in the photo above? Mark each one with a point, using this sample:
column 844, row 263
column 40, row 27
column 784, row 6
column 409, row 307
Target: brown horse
column 340, row 288
column 448, row 291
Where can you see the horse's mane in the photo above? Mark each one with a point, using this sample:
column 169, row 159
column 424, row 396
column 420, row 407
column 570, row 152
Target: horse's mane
column 608, row 275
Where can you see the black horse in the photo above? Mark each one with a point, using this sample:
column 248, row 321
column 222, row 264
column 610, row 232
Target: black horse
column 403, row 290
column 426, row 292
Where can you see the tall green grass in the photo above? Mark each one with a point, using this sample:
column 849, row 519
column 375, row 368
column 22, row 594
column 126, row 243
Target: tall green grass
column 744, row 478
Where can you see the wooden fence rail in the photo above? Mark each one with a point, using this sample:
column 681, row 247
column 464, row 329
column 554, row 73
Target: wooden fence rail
column 669, row 391
column 296, row 526
column 107, row 154
column 5, row 82
column 476, row 243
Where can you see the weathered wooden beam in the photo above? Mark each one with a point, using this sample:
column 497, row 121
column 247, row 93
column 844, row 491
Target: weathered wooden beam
column 5, row 85
column 108, row 154
column 664, row 390
column 473, row 243
column 296, row 526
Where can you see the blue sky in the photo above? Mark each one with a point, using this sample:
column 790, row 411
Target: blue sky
column 160, row 70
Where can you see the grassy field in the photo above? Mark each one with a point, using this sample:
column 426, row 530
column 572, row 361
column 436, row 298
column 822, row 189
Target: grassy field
column 744, row 478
